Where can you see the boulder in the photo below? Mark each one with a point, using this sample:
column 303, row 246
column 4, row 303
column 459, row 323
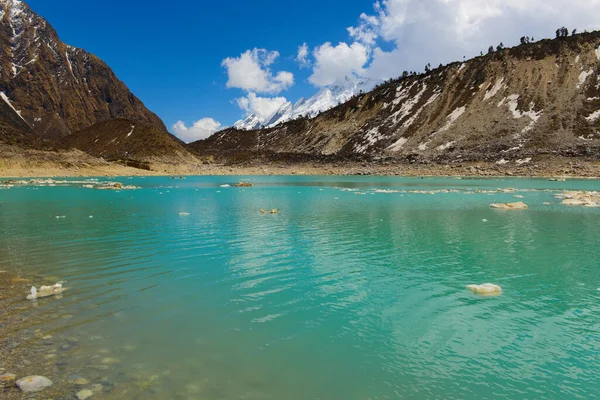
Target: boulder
column 33, row 383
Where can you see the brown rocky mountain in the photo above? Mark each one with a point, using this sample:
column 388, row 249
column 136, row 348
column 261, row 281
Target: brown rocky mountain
column 123, row 139
column 49, row 89
column 537, row 98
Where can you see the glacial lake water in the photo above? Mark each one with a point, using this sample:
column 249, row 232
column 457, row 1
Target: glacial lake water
column 354, row 290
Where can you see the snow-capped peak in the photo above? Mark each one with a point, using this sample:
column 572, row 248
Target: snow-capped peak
column 248, row 124
column 340, row 91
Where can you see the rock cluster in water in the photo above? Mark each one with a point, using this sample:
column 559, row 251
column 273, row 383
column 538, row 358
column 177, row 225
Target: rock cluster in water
column 584, row 199
column 88, row 184
column 510, row 206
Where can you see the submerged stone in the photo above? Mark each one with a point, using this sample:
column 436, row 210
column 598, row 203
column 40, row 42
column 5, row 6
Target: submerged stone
column 243, row 184
column 7, row 377
column 81, row 381
column 34, row 383
column 84, row 394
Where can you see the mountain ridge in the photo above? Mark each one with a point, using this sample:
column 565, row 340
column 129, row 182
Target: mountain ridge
column 536, row 98
column 56, row 89
column 340, row 91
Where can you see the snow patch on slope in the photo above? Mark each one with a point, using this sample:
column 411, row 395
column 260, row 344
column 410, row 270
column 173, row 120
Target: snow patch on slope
column 593, row 116
column 407, row 106
column 513, row 102
column 583, row 77
column 132, row 129
column 598, row 53
column 371, row 138
column 445, row 146
column 402, row 94
column 494, row 90
column 398, row 144
column 450, row 119
column 454, row 115
column 69, row 63
column 7, row 100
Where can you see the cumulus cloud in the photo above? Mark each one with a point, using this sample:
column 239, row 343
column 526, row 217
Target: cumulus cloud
column 332, row 62
column 263, row 107
column 366, row 31
column 201, row 129
column 302, row 57
column 441, row 31
column 251, row 72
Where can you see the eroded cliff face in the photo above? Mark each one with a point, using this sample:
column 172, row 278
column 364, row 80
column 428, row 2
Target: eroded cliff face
column 52, row 89
column 539, row 98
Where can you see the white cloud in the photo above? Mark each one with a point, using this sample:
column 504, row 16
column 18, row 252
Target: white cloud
column 302, row 57
column 263, row 107
column 332, row 62
column 441, row 31
column 366, row 31
column 250, row 71
column 200, row 130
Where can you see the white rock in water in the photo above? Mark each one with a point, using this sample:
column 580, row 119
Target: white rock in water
column 33, row 294
column 184, row 214
column 34, row 383
column 487, row 289
column 46, row 291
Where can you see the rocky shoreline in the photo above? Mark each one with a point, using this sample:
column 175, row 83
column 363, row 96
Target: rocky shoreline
column 42, row 356
column 77, row 164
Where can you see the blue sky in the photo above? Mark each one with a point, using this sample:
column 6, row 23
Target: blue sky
column 171, row 55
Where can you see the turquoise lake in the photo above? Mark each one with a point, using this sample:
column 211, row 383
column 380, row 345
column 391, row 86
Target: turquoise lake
column 356, row 289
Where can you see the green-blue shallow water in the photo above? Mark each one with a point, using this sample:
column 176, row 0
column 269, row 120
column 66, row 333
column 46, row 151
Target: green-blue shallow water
column 339, row 296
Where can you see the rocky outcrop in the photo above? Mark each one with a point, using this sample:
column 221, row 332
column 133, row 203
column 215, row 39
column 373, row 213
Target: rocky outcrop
column 505, row 107
column 49, row 89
